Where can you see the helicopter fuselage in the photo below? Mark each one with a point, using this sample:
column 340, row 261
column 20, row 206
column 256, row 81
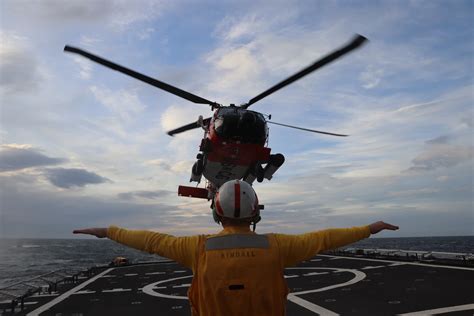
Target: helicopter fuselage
column 233, row 147
column 234, row 142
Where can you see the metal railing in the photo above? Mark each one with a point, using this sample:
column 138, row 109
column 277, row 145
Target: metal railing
column 466, row 259
column 13, row 295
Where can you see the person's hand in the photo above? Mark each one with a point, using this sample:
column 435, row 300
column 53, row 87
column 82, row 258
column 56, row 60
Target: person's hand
column 379, row 226
column 97, row 232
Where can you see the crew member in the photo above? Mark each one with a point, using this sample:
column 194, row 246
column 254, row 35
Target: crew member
column 238, row 272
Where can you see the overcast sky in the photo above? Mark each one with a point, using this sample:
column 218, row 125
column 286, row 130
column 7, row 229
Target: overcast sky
column 82, row 145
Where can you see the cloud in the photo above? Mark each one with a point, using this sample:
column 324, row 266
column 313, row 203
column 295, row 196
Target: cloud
column 184, row 146
column 236, row 67
column 153, row 195
column 183, row 166
column 14, row 157
column 468, row 121
column 31, row 209
column 116, row 14
column 125, row 104
column 439, row 140
column 371, row 77
column 441, row 156
column 177, row 115
column 68, row 178
column 145, row 33
column 85, row 67
column 19, row 68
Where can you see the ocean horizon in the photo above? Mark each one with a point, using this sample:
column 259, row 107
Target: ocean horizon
column 24, row 258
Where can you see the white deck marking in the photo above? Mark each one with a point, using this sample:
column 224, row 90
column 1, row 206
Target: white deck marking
column 310, row 306
column 315, row 273
column 358, row 277
column 408, row 263
column 313, row 260
column 65, row 295
column 291, row 276
column 149, row 288
column 397, row 264
column 441, row 310
column 179, row 271
column 84, row 292
column 372, row 267
column 131, row 274
column 153, row 273
column 182, row 285
column 116, row 290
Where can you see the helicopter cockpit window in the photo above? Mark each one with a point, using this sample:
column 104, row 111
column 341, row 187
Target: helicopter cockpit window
column 242, row 125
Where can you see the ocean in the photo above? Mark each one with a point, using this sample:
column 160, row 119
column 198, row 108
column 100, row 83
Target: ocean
column 21, row 259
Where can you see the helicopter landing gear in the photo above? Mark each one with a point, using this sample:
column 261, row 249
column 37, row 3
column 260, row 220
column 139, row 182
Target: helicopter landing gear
column 198, row 168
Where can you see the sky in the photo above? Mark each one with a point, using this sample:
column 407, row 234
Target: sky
column 85, row 146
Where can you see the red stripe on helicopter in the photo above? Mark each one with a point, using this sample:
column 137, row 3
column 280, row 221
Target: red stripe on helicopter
column 238, row 154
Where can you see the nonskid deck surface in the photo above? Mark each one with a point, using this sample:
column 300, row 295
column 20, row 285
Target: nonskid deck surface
column 324, row 285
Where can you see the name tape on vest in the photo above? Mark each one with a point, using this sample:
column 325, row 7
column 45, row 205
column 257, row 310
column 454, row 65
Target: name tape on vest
column 237, row 241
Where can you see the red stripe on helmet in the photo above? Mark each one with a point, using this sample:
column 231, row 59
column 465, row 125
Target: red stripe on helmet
column 237, row 200
column 218, row 205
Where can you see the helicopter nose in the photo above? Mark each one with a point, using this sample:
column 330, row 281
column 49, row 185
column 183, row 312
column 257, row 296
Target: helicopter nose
column 248, row 118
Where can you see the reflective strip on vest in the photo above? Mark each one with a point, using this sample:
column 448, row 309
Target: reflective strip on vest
column 237, row 241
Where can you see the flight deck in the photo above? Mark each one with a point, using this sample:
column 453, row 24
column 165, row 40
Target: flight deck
column 324, row 285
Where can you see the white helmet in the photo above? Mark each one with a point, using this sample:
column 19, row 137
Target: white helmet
column 237, row 200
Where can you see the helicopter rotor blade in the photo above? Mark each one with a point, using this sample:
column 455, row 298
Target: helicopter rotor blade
column 154, row 82
column 188, row 127
column 307, row 129
column 356, row 42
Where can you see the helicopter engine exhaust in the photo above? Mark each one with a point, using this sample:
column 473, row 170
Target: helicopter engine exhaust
column 275, row 162
column 259, row 173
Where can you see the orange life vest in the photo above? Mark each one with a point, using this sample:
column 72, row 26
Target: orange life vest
column 238, row 274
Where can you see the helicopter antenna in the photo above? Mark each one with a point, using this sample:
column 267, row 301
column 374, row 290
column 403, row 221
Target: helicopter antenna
column 355, row 43
column 154, row 82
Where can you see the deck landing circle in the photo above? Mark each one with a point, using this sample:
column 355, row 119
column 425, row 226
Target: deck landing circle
column 150, row 289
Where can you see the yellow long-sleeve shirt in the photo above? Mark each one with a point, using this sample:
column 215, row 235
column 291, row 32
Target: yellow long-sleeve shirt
column 292, row 248
column 217, row 271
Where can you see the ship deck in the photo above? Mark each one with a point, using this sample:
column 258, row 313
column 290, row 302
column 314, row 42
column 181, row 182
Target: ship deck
column 324, row 285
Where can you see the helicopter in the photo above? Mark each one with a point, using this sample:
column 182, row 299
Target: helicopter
column 235, row 138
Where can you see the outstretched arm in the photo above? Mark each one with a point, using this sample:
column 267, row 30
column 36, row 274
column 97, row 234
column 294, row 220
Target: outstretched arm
column 379, row 226
column 181, row 249
column 296, row 248
column 97, row 232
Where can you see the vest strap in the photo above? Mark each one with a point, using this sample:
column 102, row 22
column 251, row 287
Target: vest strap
column 237, row 241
